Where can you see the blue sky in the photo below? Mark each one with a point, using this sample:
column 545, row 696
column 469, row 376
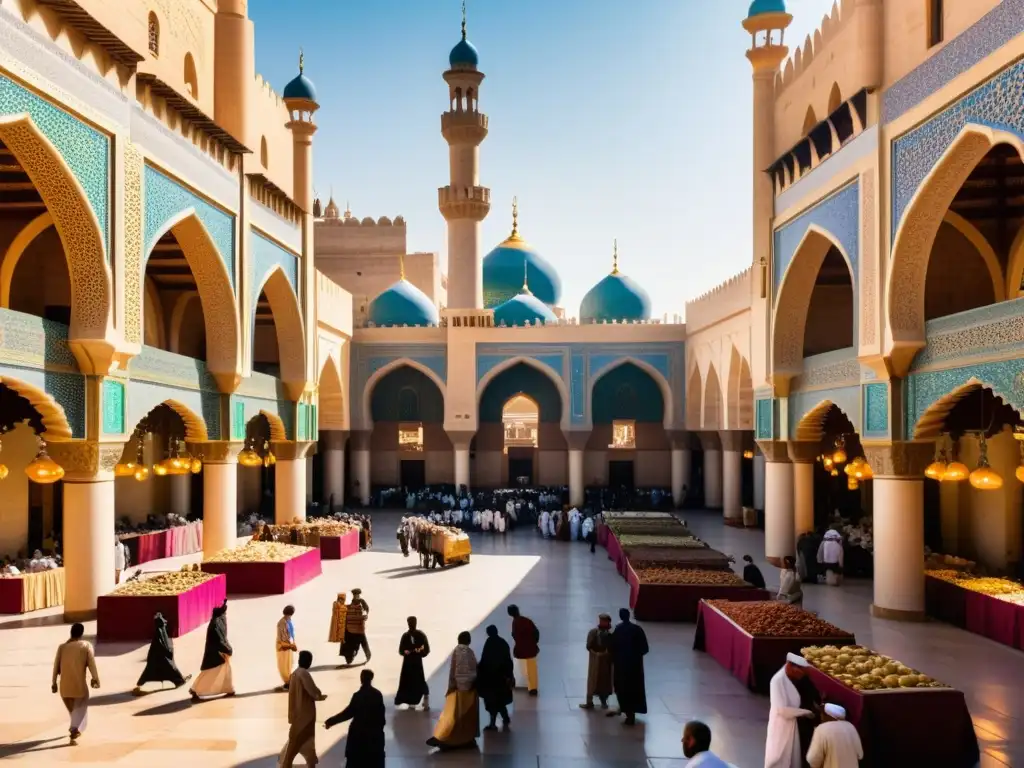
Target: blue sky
column 608, row 119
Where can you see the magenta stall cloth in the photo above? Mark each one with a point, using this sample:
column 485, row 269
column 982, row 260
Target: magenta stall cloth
column 129, row 617
column 751, row 660
column 602, row 535
column 615, row 554
column 983, row 615
column 680, row 602
column 184, row 539
column 151, row 546
column 269, row 578
column 10, row 596
column 906, row 726
column 945, row 601
column 339, row 547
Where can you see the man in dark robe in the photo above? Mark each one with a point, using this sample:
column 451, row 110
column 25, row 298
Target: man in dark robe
column 215, row 671
column 599, row 667
column 160, row 666
column 526, row 637
column 629, row 646
column 355, row 627
column 364, row 747
column 412, row 683
column 751, row 573
column 495, row 678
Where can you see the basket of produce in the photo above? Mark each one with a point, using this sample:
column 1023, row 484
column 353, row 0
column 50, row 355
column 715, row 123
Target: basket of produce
column 768, row 618
column 669, row 575
column 864, row 670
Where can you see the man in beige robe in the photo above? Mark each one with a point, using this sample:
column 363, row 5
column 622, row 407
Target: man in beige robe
column 599, row 668
column 286, row 646
column 303, row 695
column 70, row 664
column 836, row 743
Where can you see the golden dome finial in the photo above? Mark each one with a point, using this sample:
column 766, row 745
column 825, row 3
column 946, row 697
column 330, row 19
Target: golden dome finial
column 302, row 61
column 348, row 210
column 615, row 257
column 401, row 266
column 526, row 277
column 463, row 19
column 515, row 219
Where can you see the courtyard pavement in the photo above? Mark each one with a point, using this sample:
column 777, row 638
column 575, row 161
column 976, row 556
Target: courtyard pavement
column 562, row 587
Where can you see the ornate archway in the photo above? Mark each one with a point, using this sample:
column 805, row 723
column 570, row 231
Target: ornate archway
column 550, row 373
column 712, row 411
column 16, row 249
column 740, row 397
column 331, row 402
column 385, row 370
column 287, row 319
column 931, row 423
column 54, row 421
column 653, row 373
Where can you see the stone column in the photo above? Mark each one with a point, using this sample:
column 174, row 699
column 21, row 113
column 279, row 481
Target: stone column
column 732, row 476
column 802, row 454
column 88, row 537
column 309, row 481
column 759, row 480
column 180, row 495
column 290, row 480
column 712, row 469
column 361, row 466
column 898, row 488
column 779, row 530
column 577, row 442
column 461, row 440
column 682, row 465
column 332, row 446
column 220, row 494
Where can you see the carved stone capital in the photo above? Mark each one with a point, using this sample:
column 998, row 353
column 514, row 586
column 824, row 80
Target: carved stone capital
column 733, row 440
column 333, row 439
column 907, row 460
column 216, row 451
column 710, row 441
column 461, row 438
column 803, row 451
column 577, row 438
column 681, row 439
column 775, row 451
column 85, row 461
column 286, row 450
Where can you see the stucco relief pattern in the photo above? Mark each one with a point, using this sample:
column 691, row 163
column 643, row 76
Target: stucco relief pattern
column 899, row 459
column 1005, row 379
column 832, row 374
column 85, row 150
column 133, row 164
column 876, row 410
column 992, row 330
column 34, row 342
column 165, row 200
column 157, row 366
column 85, row 460
column 992, row 31
column 83, row 242
column 996, row 103
column 868, row 245
column 837, row 214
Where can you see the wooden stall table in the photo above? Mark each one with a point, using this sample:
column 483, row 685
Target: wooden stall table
column 32, row 591
column 680, row 602
column 751, row 660
column 130, row 617
column 339, row 547
column 268, row 578
column 902, row 727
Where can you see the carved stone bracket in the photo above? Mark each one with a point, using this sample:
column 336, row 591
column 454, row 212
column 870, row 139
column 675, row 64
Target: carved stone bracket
column 286, row 450
column 775, row 451
column 216, row 451
column 803, row 451
column 85, row 461
column 907, row 460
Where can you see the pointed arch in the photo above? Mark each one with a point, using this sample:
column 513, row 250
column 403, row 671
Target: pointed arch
column 810, row 427
column 195, row 427
column 740, row 396
column 983, row 247
column 55, row 421
column 793, row 302
column 694, row 394
column 383, row 371
column 915, row 236
column 76, row 224
column 291, row 340
column 14, row 253
column 930, row 424
column 213, row 284
column 178, row 317
column 712, row 415
column 651, row 371
column 152, row 317
column 331, row 401
column 1015, row 267
column 810, row 120
column 835, row 99
column 551, row 373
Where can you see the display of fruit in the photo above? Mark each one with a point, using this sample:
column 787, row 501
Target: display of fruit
column 659, row 528
column 937, row 561
column 643, row 540
column 768, row 618
column 986, row 585
column 862, row 669
column 655, row 557
column 322, row 526
column 696, row 576
column 164, row 584
column 258, row 552
column 608, row 516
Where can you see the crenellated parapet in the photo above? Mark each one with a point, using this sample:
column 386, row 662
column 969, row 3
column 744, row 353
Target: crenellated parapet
column 723, row 301
column 831, row 27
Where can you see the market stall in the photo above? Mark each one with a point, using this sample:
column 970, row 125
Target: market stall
column 171, row 542
column 674, row 594
column 336, row 539
column 450, row 546
column 29, row 592
column 753, row 642
column 186, row 599
column 265, row 568
column 904, row 718
column 339, row 547
column 990, row 607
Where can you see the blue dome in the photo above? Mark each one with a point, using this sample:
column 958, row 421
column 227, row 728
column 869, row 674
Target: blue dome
column 503, row 274
column 616, row 297
column 522, row 310
column 766, row 6
column 403, row 304
column 300, row 88
column 463, row 55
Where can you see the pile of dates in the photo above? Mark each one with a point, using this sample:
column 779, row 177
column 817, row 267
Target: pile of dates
column 767, row 618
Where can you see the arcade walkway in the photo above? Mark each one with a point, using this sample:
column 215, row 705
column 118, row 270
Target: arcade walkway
column 561, row 586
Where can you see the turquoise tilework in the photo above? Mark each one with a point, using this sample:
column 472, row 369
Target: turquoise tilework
column 34, row 342
column 876, row 410
column 764, row 418
column 113, row 407
column 1005, row 379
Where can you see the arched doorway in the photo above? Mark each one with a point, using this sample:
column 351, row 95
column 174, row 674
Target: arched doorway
column 712, row 419
column 278, row 347
column 971, row 512
column 741, row 393
column 628, row 444
column 492, row 466
column 408, row 445
column 520, row 417
column 256, row 475
column 329, row 470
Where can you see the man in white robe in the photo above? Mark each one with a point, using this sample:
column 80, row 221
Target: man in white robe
column 544, row 521
column 485, row 520
column 574, row 524
column 836, row 743
column 553, row 521
column 510, row 507
column 500, row 522
column 782, row 747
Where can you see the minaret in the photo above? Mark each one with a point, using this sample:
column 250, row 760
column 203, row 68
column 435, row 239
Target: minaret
column 463, row 203
column 300, row 100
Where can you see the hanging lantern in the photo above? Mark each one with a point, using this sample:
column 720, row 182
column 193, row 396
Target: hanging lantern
column 852, row 484
column 160, row 470
column 839, row 456
column 141, row 473
column 197, row 465
column 748, row 454
column 937, row 469
column 43, row 469
column 851, row 468
column 834, row 472
column 984, row 478
column 864, row 471
column 269, row 459
column 4, row 472
column 125, row 469
column 827, row 462
column 956, row 470
column 248, row 457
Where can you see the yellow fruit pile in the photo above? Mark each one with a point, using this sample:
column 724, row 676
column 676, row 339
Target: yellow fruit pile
column 695, row 576
column 864, row 670
column 258, row 552
column 644, row 540
column 164, row 584
column 986, row 585
column 325, row 527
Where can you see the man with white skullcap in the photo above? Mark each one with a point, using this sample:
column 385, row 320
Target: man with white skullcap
column 836, row 743
column 795, row 706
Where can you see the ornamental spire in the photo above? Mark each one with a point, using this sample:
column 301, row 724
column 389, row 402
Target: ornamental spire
column 463, row 19
column 526, row 277
column 615, row 257
column 515, row 219
column 302, row 61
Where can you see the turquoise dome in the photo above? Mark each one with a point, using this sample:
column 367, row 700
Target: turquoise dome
column 616, row 297
column 503, row 274
column 464, row 54
column 403, row 304
column 300, row 88
column 766, row 6
column 522, row 310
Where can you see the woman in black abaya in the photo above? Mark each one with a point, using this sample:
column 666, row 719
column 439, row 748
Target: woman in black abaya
column 160, row 666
